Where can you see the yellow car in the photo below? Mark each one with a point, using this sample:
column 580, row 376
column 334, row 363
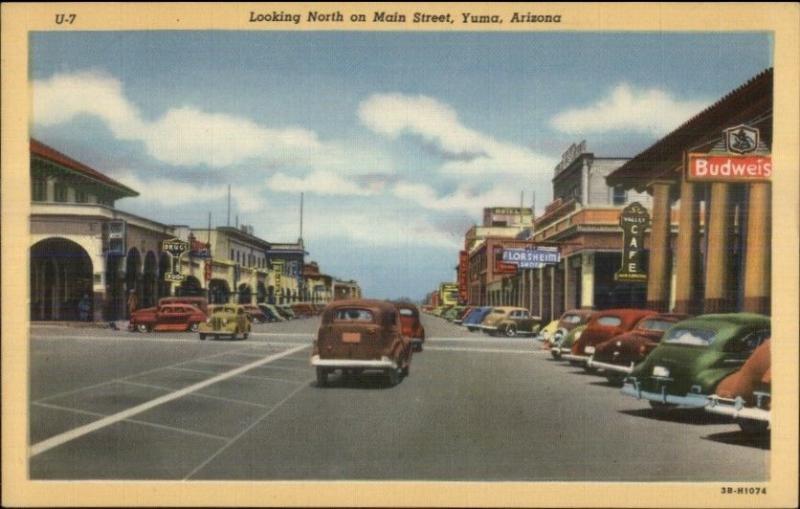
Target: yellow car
column 226, row 320
column 548, row 330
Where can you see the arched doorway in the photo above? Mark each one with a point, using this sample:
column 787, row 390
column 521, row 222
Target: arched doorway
column 271, row 295
column 190, row 287
column 149, row 281
column 133, row 277
column 245, row 294
column 61, row 276
column 261, row 292
column 218, row 291
column 163, row 268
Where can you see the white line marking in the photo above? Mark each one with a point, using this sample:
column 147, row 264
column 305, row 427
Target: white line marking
column 489, row 350
column 251, row 426
column 136, row 421
column 241, row 376
column 67, row 436
column 487, row 340
column 201, row 395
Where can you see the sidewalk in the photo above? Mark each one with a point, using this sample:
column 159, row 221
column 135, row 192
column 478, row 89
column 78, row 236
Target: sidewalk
column 119, row 324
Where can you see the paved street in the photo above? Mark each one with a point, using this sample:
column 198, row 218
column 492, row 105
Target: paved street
column 117, row 405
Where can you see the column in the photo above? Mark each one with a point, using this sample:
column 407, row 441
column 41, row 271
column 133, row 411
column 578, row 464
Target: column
column 568, row 295
column 587, row 280
column 659, row 266
column 757, row 250
column 717, row 297
column 688, row 252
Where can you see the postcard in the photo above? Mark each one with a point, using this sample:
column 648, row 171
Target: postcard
column 400, row 255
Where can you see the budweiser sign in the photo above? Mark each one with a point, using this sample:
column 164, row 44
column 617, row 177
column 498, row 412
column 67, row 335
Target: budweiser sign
column 725, row 168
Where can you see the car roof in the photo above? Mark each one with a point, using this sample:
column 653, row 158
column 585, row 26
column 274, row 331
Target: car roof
column 728, row 319
column 379, row 305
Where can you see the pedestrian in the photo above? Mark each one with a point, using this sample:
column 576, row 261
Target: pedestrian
column 84, row 306
column 133, row 302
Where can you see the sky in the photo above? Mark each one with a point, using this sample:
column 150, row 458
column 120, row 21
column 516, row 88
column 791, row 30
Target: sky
column 397, row 139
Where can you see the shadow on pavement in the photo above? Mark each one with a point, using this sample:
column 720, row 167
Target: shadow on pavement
column 695, row 416
column 368, row 381
column 761, row 441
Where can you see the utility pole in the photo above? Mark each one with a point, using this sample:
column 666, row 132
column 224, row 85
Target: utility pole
column 228, row 222
column 301, row 217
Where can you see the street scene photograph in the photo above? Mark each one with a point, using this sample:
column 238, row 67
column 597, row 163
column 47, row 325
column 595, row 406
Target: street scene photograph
column 318, row 255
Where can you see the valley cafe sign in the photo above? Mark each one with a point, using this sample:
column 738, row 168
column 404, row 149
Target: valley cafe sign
column 740, row 157
column 633, row 220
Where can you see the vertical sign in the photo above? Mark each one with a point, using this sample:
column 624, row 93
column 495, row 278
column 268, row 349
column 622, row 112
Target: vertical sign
column 463, row 263
column 277, row 266
column 175, row 247
column 633, row 220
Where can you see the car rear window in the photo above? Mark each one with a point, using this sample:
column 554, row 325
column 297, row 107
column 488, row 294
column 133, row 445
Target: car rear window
column 659, row 325
column 406, row 312
column 609, row 321
column 353, row 315
column 498, row 311
column 690, row 336
column 571, row 319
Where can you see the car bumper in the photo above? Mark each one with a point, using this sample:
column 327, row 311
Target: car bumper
column 633, row 388
column 581, row 359
column 561, row 350
column 417, row 341
column 382, row 363
column 735, row 408
column 605, row 366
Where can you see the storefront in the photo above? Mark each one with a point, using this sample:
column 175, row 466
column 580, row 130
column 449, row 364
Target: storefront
column 716, row 166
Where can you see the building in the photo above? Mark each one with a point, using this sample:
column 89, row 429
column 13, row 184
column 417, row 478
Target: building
column 343, row 290
column 583, row 222
column 726, row 265
column 286, row 262
column 490, row 281
column 318, row 286
column 81, row 245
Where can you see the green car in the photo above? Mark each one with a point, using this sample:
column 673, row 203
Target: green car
column 694, row 356
column 453, row 313
column 563, row 344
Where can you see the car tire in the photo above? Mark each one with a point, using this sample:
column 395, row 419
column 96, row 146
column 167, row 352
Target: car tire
column 752, row 426
column 244, row 336
column 406, row 370
column 659, row 408
column 202, row 337
column 511, row 331
column 194, row 327
column 143, row 327
column 589, row 370
column 614, row 379
column 393, row 377
column 322, row 377
column 555, row 355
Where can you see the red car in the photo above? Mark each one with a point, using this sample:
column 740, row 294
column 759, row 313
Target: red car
column 168, row 317
column 255, row 313
column 745, row 395
column 410, row 324
column 617, row 356
column 603, row 326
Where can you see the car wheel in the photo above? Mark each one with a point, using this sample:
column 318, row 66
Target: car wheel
column 245, row 335
column 614, row 379
column 406, row 370
column 660, row 408
column 511, row 331
column 752, row 426
column 143, row 327
column 194, row 327
column 555, row 354
column 589, row 369
column 393, row 377
column 322, row 377
column 203, row 337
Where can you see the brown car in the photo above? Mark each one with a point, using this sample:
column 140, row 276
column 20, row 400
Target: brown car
column 361, row 335
column 603, row 326
column 617, row 356
column 410, row 324
column 745, row 395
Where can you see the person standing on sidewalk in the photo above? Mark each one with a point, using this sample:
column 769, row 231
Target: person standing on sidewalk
column 133, row 302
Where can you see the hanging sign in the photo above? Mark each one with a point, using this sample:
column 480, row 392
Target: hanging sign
column 633, row 220
column 532, row 258
column 176, row 248
column 741, row 156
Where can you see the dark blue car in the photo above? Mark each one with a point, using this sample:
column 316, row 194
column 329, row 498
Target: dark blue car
column 473, row 320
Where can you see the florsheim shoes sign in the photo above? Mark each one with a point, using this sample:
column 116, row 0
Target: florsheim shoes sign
column 534, row 258
column 741, row 156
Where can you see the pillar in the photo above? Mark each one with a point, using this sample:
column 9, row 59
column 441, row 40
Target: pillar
column 757, row 250
column 717, row 298
column 688, row 250
column 587, row 280
column 659, row 270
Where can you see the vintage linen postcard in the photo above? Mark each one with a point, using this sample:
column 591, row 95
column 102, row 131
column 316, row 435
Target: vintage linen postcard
column 507, row 255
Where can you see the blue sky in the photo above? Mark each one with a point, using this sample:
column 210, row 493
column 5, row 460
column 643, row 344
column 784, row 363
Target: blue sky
column 398, row 139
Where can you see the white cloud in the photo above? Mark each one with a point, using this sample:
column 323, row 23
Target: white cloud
column 626, row 108
column 318, row 182
column 187, row 136
column 463, row 199
column 467, row 151
column 169, row 193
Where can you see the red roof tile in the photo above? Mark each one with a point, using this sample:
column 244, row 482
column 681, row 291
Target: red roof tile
column 39, row 149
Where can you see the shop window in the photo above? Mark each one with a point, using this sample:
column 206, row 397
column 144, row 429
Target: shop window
column 81, row 197
column 39, row 190
column 619, row 195
column 60, row 192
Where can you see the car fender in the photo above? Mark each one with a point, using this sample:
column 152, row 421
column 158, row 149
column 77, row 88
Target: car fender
column 708, row 379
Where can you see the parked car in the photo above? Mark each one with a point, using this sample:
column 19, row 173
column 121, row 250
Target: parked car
column 303, row 310
column 411, row 325
column 473, row 321
column 167, row 317
column 497, row 315
column 255, row 313
column 460, row 318
column 569, row 320
column 519, row 322
column 361, row 335
column 273, row 315
column 745, row 395
column 453, row 313
column 694, row 356
column 546, row 332
column 200, row 303
column 226, row 320
column 563, row 344
column 286, row 311
column 618, row 355
column 603, row 326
